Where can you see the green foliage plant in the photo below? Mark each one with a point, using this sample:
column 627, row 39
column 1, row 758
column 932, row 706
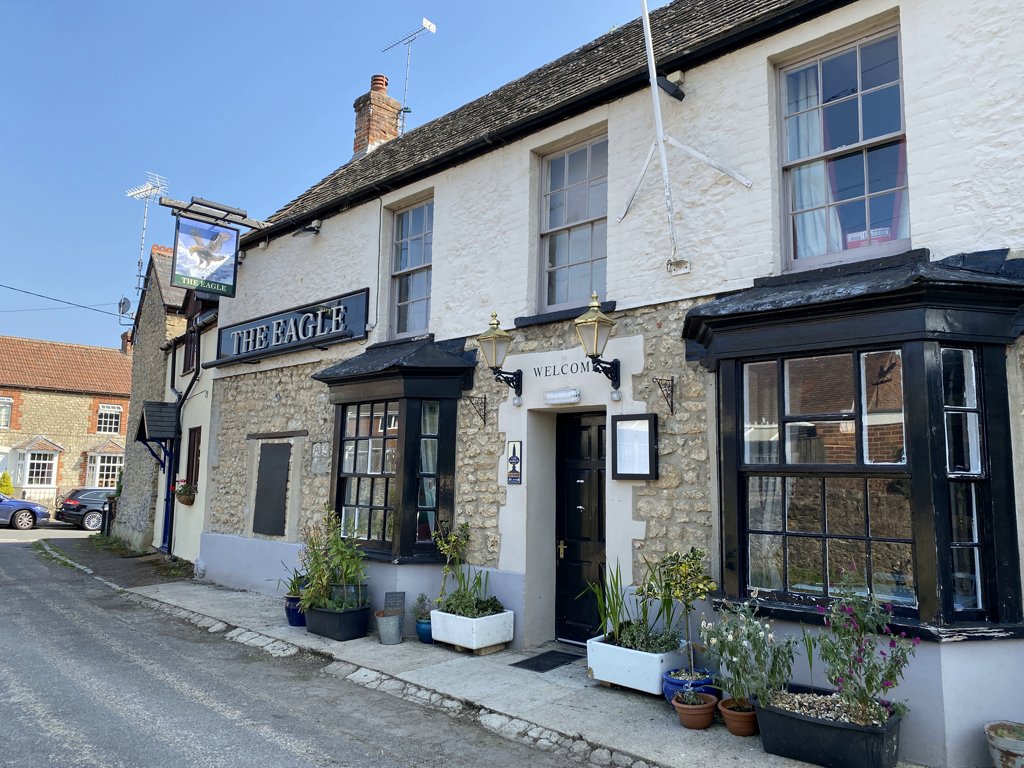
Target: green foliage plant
column 294, row 583
column 752, row 660
column 470, row 597
column 612, row 610
column 6, row 485
column 451, row 543
column 421, row 608
column 328, row 558
column 864, row 659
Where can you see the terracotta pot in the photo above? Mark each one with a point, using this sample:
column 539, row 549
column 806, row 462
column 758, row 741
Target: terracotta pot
column 738, row 723
column 697, row 716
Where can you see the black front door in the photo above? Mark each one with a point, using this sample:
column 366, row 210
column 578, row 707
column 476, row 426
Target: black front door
column 579, row 523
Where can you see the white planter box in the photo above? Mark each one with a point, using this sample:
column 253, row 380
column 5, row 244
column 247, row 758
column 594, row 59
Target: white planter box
column 631, row 669
column 471, row 633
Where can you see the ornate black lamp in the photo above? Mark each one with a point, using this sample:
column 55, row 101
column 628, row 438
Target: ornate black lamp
column 494, row 344
column 593, row 328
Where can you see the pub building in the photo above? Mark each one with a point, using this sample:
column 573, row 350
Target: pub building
column 813, row 372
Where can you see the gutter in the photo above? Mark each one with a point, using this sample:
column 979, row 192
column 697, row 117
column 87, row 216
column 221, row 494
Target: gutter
column 614, row 89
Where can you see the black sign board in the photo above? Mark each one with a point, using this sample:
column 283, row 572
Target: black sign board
column 342, row 318
column 394, row 602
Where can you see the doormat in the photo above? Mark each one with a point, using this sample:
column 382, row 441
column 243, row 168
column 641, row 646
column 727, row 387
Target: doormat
column 545, row 662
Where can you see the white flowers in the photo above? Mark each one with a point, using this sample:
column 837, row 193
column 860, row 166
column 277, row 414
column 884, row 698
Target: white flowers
column 771, row 638
column 713, row 641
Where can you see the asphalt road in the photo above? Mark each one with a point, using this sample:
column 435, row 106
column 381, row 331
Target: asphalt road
column 52, row 530
column 89, row 679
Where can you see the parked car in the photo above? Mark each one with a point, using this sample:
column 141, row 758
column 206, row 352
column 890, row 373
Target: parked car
column 84, row 507
column 21, row 513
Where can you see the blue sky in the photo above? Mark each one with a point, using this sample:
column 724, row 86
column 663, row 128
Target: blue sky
column 246, row 103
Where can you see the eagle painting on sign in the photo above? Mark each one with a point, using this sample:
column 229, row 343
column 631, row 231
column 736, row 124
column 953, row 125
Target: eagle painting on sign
column 205, row 257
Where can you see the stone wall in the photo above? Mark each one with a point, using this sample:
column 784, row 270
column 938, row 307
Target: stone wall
column 135, row 508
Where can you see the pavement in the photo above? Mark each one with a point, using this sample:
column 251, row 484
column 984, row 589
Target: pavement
column 561, row 710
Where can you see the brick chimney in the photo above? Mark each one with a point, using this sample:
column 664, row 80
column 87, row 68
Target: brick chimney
column 126, row 343
column 376, row 117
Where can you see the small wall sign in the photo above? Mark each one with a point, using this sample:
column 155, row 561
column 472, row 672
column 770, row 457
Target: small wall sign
column 635, row 447
column 514, row 460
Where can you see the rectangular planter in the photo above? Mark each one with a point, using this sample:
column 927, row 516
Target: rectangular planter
column 827, row 743
column 471, row 633
column 338, row 625
column 638, row 670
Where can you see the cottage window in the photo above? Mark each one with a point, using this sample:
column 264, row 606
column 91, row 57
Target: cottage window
column 844, row 154
column 108, row 419
column 6, row 406
column 36, row 468
column 411, row 267
column 574, row 226
column 103, row 469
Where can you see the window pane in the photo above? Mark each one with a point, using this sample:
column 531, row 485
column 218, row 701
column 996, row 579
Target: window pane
column 598, row 277
column 390, row 456
column 429, row 417
column 556, row 210
column 402, row 226
column 428, row 492
column 377, row 423
column 839, row 76
column 966, row 584
column 889, row 508
column 821, row 442
column 379, row 489
column 416, row 252
column 351, row 490
column 958, row 378
column 599, row 240
column 819, row 385
column 392, row 419
column 577, row 166
column 362, row 457
column 805, row 567
column 853, row 225
column 844, row 506
column 576, row 203
column 377, row 526
column 882, row 392
column 847, row 567
column 879, row 63
column 887, row 167
column 810, row 235
column 802, row 89
column 761, row 413
column 963, row 450
column 579, row 244
column 556, row 173
column 882, row 112
column 803, row 135
column 889, row 219
column 764, row 503
column 846, row 177
column 841, row 126
column 351, row 420
column 425, row 524
column 365, row 487
column 416, row 221
column 598, row 200
column 558, row 249
column 766, row 562
column 428, row 456
column 599, row 159
column 892, row 573
column 963, row 513
column 558, row 287
column 364, row 418
column 417, row 316
column 808, row 186
column 579, row 283
column 803, row 504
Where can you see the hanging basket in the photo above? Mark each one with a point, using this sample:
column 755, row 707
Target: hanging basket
column 186, row 498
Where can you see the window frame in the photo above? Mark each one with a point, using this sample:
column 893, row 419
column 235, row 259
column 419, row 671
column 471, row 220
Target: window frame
column 93, row 466
column 396, row 274
column 6, row 407
column 785, row 167
column 24, row 463
column 545, row 230
column 109, row 409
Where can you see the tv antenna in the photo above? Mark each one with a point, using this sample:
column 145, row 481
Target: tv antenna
column 155, row 186
column 425, row 26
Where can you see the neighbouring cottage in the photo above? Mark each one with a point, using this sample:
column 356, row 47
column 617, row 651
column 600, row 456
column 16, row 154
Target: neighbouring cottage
column 63, row 411
column 817, row 376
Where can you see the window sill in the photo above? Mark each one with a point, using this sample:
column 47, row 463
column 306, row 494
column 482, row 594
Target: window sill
column 559, row 315
column 419, row 558
column 851, row 256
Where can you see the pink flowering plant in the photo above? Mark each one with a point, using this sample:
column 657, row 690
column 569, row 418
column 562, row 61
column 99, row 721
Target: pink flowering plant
column 864, row 658
column 183, row 487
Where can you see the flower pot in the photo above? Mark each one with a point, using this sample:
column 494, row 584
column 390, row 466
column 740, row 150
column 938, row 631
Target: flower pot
column 670, row 686
column 1006, row 743
column 826, row 742
column 632, row 669
column 474, row 634
column 296, row 618
column 739, row 723
column 697, row 716
column 423, row 631
column 188, row 499
column 338, row 625
column 351, row 595
column 389, row 627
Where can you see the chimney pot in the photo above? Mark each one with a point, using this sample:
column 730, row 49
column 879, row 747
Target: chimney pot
column 379, row 83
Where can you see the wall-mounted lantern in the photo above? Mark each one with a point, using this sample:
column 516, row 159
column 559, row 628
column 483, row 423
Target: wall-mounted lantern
column 494, row 344
column 594, row 328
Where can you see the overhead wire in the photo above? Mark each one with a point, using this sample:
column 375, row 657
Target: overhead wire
column 60, row 301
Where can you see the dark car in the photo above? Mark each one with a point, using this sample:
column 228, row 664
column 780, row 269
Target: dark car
column 84, row 507
column 21, row 513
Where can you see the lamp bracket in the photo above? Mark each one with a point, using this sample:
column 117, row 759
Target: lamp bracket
column 668, row 391
column 479, row 405
column 514, row 379
column 609, row 368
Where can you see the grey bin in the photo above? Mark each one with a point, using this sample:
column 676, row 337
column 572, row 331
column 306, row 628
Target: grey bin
column 389, row 626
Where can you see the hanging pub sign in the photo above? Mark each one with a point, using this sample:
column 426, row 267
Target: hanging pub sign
column 205, row 257
column 342, row 318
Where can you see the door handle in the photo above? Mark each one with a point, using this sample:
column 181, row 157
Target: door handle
column 580, row 482
column 561, row 550
column 581, row 508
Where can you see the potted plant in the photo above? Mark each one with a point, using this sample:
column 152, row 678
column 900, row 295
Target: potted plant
column 468, row 617
column 328, row 559
column 857, row 725
column 293, row 586
column 696, row 709
column 636, row 651
column 753, row 662
column 421, row 612
column 687, row 580
column 184, row 492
